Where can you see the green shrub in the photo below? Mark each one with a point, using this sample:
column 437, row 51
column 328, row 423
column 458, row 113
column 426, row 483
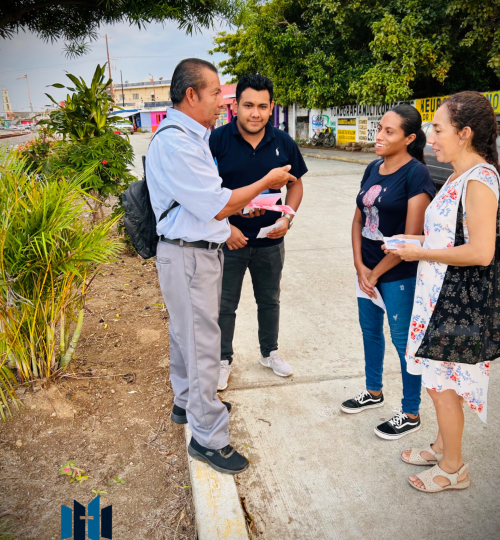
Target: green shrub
column 48, row 256
column 85, row 113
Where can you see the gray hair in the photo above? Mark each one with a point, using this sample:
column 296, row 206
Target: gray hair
column 188, row 74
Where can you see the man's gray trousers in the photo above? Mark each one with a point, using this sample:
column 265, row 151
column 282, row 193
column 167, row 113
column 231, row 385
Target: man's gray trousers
column 191, row 284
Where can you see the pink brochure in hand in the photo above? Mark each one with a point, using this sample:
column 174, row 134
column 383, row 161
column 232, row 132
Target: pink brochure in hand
column 267, row 201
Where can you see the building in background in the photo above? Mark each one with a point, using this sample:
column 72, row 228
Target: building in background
column 226, row 112
column 358, row 123
column 6, row 106
column 146, row 94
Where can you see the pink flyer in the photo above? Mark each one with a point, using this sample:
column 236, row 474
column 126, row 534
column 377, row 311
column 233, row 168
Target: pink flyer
column 267, row 201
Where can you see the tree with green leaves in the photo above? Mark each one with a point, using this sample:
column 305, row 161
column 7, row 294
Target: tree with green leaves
column 77, row 21
column 321, row 53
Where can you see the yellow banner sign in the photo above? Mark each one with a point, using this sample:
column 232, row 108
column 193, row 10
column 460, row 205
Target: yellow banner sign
column 428, row 106
column 347, row 121
column 346, row 135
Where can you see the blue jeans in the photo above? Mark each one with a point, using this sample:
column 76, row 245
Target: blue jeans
column 398, row 299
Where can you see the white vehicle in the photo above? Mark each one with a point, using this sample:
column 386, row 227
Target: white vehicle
column 123, row 128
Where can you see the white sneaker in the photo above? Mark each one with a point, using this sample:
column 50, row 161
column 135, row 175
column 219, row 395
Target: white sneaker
column 277, row 364
column 225, row 372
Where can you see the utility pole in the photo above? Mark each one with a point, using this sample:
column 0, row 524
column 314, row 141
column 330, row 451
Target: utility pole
column 123, row 95
column 154, row 91
column 111, row 89
column 29, row 94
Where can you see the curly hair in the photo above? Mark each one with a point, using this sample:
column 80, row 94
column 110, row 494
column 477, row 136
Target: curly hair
column 474, row 110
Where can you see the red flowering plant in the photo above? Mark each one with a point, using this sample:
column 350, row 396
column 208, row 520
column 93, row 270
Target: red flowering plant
column 36, row 151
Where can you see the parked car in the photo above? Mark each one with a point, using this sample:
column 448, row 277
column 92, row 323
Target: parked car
column 440, row 172
column 125, row 127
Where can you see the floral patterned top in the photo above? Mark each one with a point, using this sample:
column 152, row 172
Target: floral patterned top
column 469, row 381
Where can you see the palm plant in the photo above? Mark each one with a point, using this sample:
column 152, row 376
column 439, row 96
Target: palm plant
column 87, row 112
column 48, row 257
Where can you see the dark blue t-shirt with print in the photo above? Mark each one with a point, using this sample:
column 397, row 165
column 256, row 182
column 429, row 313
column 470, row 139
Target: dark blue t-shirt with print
column 383, row 202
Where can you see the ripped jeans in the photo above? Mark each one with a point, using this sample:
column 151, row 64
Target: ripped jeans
column 398, row 299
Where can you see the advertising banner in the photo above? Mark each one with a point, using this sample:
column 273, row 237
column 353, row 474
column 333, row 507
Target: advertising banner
column 428, row 106
column 319, row 122
column 363, row 130
column 346, row 130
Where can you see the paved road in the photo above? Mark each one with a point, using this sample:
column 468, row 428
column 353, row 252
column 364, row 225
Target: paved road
column 140, row 143
column 340, row 155
column 14, row 141
column 318, row 474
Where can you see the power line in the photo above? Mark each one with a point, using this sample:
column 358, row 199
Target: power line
column 95, row 60
column 47, row 67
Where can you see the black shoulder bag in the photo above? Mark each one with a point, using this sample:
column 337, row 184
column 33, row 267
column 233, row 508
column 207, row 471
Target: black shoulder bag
column 139, row 218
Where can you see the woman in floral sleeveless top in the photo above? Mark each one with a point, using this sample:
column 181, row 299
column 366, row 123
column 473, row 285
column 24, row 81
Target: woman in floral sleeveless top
column 464, row 134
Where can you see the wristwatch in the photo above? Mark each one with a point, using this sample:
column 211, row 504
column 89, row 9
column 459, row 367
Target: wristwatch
column 290, row 218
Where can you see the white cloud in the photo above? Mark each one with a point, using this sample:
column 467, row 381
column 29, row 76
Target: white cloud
column 156, row 49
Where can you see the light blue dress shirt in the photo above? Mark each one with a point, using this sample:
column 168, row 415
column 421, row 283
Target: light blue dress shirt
column 180, row 167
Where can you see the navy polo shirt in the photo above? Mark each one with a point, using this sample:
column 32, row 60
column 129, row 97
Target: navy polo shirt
column 241, row 165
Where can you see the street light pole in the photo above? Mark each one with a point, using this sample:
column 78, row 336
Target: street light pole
column 29, row 94
column 111, row 89
column 154, row 91
column 123, row 95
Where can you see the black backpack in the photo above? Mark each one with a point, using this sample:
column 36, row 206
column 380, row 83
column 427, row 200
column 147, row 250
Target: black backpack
column 139, row 218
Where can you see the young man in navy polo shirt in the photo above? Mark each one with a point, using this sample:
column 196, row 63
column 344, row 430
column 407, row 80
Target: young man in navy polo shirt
column 246, row 150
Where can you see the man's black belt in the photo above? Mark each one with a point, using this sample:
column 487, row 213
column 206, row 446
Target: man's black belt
column 201, row 244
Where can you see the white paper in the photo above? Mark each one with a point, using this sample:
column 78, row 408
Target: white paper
column 266, row 230
column 392, row 243
column 377, row 301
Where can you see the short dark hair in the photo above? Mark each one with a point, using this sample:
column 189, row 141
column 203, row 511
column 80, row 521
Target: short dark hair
column 188, row 74
column 255, row 82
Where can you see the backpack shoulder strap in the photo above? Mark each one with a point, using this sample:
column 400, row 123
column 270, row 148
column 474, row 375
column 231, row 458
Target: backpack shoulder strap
column 156, row 133
column 176, row 204
column 164, row 128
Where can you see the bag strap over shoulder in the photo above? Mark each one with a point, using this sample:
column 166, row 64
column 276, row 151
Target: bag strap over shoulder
column 176, row 204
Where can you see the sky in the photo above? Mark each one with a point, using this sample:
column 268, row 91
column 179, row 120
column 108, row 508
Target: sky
column 137, row 53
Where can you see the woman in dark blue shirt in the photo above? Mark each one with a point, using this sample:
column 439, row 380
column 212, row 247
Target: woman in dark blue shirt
column 395, row 192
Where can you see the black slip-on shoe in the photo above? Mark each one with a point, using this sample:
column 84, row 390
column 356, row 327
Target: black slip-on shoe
column 363, row 401
column 178, row 414
column 398, row 426
column 226, row 460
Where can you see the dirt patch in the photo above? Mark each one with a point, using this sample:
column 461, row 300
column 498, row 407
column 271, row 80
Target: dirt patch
column 110, row 416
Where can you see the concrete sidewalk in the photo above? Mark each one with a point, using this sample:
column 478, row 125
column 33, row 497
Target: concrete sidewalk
column 318, row 474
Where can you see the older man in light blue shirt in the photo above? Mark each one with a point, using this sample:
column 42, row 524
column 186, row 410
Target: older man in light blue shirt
column 184, row 163
column 183, row 177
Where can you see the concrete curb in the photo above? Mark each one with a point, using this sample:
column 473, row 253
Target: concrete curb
column 219, row 515
column 337, row 158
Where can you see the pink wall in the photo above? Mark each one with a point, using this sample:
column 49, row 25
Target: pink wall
column 156, row 118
